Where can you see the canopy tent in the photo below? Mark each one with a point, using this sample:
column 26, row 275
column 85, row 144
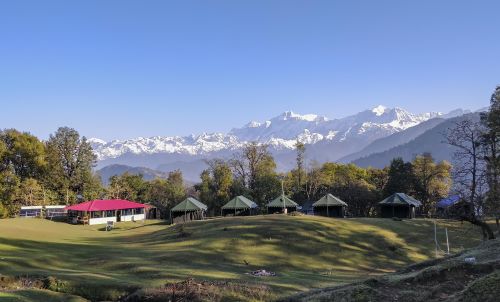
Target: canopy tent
column 399, row 205
column 189, row 209
column 448, row 202
column 103, row 211
column 281, row 202
column 452, row 206
column 329, row 206
column 239, row 206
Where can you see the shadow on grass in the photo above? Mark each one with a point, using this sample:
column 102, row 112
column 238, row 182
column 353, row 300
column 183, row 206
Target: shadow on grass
column 304, row 252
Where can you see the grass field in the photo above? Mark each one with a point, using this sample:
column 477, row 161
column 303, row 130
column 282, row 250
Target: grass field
column 304, row 251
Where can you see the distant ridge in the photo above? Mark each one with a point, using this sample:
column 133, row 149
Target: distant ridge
column 432, row 140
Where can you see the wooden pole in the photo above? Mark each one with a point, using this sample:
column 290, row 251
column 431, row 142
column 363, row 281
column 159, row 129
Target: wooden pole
column 435, row 238
column 447, row 242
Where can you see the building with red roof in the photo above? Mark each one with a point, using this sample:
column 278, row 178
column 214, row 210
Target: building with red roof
column 102, row 211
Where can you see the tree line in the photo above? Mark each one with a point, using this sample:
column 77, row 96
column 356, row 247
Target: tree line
column 33, row 172
column 60, row 170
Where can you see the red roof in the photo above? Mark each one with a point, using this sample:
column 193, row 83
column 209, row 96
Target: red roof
column 105, row 205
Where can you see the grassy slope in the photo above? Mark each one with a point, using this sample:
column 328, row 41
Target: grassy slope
column 36, row 295
column 447, row 279
column 305, row 251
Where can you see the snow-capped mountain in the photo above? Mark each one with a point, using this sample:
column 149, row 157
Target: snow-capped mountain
column 280, row 132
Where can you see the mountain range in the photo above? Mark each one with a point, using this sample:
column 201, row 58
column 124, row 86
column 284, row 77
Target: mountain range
column 347, row 139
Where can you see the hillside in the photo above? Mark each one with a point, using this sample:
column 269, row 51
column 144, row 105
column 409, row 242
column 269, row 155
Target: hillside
column 304, row 251
column 432, row 140
column 449, row 279
column 393, row 140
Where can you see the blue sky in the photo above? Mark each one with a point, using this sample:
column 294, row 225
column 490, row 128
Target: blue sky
column 122, row 69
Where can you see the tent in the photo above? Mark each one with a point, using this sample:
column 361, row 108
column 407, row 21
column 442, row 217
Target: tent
column 189, row 209
column 280, row 202
column 452, row 206
column 329, row 206
column 399, row 205
column 239, row 206
column 102, row 211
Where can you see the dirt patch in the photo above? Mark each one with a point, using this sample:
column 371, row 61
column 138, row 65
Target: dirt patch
column 201, row 291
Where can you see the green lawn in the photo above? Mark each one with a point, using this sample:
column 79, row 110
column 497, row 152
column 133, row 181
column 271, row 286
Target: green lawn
column 305, row 251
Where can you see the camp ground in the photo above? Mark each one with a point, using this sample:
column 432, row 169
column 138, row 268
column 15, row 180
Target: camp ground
column 282, row 204
column 239, row 206
column 189, row 209
column 399, row 205
column 329, row 206
column 104, row 211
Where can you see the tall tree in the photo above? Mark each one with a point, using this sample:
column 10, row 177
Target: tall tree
column 30, row 193
column 9, row 187
column 250, row 162
column 127, row 186
column 469, row 171
column 23, row 152
column 301, row 151
column 491, row 145
column 400, row 177
column 432, row 181
column 255, row 169
column 216, row 187
column 158, row 195
column 71, row 159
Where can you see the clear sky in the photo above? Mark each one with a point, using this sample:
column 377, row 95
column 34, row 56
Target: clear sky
column 122, row 69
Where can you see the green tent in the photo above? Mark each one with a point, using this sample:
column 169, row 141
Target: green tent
column 330, row 206
column 281, row 202
column 189, row 209
column 240, row 205
column 399, row 205
column 189, row 204
column 400, row 199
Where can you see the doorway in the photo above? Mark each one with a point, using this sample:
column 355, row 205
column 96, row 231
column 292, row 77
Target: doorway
column 118, row 216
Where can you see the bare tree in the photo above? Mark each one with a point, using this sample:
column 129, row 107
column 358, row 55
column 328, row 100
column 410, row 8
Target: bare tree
column 247, row 164
column 469, row 172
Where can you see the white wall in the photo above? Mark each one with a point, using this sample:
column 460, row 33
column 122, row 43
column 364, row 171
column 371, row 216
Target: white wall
column 137, row 217
column 104, row 220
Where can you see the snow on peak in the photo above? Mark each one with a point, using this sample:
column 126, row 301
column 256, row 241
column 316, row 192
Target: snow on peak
column 281, row 132
column 290, row 115
column 379, row 110
column 253, row 124
column 96, row 141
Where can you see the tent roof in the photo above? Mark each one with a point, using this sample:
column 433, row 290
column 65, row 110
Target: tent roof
column 329, row 200
column 278, row 202
column 105, row 205
column 240, row 202
column 449, row 201
column 400, row 199
column 189, row 204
